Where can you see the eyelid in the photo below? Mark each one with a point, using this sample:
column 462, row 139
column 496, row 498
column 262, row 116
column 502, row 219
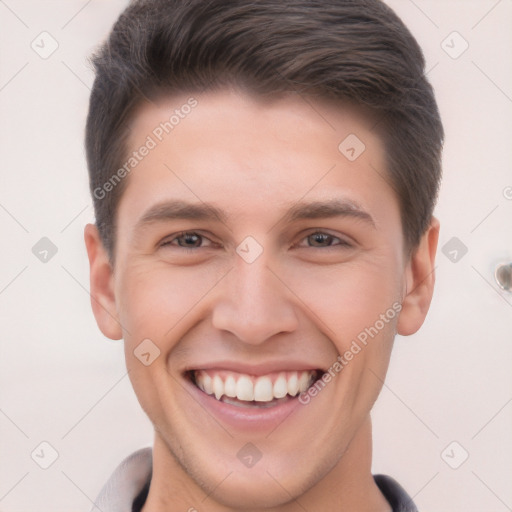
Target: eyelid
column 344, row 241
column 167, row 241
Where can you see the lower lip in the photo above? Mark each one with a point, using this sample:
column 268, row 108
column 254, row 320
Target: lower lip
column 246, row 418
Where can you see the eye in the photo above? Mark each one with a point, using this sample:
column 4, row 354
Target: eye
column 320, row 239
column 187, row 240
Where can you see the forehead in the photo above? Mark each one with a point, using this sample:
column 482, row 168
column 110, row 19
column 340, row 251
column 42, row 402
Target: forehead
column 235, row 110
column 247, row 153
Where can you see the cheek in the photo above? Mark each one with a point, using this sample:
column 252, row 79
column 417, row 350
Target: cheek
column 154, row 299
column 349, row 297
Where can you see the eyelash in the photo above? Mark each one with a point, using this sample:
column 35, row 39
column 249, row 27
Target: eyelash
column 342, row 243
column 181, row 235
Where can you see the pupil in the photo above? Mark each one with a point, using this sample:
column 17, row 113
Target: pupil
column 320, row 238
column 190, row 240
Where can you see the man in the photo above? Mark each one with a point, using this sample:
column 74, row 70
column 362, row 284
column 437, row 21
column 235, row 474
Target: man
column 264, row 175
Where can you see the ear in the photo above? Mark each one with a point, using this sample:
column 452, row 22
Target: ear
column 419, row 282
column 102, row 285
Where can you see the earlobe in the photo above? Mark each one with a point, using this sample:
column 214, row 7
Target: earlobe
column 420, row 279
column 102, row 285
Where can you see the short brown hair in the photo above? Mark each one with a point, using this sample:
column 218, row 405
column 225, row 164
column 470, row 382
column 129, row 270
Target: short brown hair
column 352, row 50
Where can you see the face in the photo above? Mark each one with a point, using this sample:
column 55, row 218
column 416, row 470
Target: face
column 264, row 267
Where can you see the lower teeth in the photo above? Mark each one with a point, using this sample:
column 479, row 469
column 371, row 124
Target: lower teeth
column 244, row 403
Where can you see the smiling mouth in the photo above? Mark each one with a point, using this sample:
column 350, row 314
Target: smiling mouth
column 243, row 390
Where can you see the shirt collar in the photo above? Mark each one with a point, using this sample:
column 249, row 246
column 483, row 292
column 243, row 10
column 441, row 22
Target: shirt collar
column 126, row 483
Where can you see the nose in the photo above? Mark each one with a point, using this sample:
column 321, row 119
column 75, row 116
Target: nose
column 253, row 303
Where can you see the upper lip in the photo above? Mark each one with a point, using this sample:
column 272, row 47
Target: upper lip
column 256, row 369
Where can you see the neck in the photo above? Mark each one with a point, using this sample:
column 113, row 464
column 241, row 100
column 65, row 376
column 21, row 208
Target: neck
column 348, row 486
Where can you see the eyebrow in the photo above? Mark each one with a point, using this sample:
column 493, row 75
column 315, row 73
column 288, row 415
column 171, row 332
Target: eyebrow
column 172, row 210
column 325, row 209
column 176, row 210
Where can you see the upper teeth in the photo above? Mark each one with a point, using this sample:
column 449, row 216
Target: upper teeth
column 248, row 388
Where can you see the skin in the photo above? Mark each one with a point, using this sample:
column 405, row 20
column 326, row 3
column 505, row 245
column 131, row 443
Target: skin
column 302, row 299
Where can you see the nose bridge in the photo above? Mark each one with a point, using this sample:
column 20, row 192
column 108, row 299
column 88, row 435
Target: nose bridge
column 254, row 305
